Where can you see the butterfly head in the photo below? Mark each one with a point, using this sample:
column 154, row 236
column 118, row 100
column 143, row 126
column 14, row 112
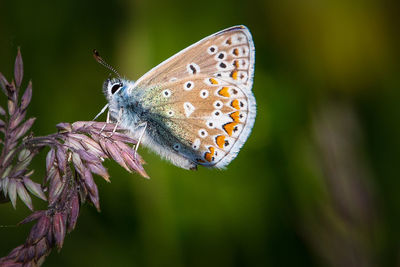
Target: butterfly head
column 113, row 87
column 115, row 91
column 118, row 97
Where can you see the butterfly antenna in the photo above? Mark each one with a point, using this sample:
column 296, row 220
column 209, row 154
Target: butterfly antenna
column 100, row 60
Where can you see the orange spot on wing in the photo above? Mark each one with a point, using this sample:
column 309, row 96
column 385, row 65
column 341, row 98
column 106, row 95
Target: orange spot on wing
column 209, row 155
column 229, row 127
column 224, row 92
column 236, row 52
column 235, row 104
column 236, row 63
column 213, row 81
column 220, row 140
column 200, row 160
column 234, row 75
column 235, row 116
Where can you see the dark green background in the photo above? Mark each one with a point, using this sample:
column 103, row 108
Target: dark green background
column 316, row 184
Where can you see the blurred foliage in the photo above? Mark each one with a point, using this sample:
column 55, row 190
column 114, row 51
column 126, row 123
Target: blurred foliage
column 317, row 182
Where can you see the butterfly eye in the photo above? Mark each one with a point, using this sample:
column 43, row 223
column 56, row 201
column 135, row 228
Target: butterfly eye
column 115, row 88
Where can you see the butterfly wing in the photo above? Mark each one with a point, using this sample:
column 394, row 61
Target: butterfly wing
column 202, row 97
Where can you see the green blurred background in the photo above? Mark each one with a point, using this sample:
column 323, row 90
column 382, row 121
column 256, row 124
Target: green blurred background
column 316, row 184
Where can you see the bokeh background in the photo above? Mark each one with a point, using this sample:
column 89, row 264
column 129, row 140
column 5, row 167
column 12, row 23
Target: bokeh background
column 316, row 184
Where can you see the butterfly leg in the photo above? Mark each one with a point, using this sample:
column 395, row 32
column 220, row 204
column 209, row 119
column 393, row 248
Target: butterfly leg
column 108, row 120
column 118, row 121
column 144, row 125
column 105, row 124
column 101, row 112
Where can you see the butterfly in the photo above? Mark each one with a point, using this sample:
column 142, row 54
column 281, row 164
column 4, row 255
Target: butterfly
column 195, row 108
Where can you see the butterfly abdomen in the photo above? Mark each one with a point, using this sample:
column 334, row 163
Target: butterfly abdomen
column 159, row 139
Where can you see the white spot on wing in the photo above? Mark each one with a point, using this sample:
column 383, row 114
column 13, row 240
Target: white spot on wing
column 218, row 154
column 217, row 113
column 212, row 49
column 177, row 146
column 170, row 113
column 166, row 93
column 189, row 108
column 243, row 51
column 235, row 92
column 196, row 144
column 218, row 104
column 224, row 66
column 188, row 85
column 229, row 141
column 204, row 93
column 220, row 56
column 203, row 133
column 236, row 130
column 223, row 74
column 210, row 124
column 242, row 116
column 242, row 76
column 239, row 38
column 192, row 68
